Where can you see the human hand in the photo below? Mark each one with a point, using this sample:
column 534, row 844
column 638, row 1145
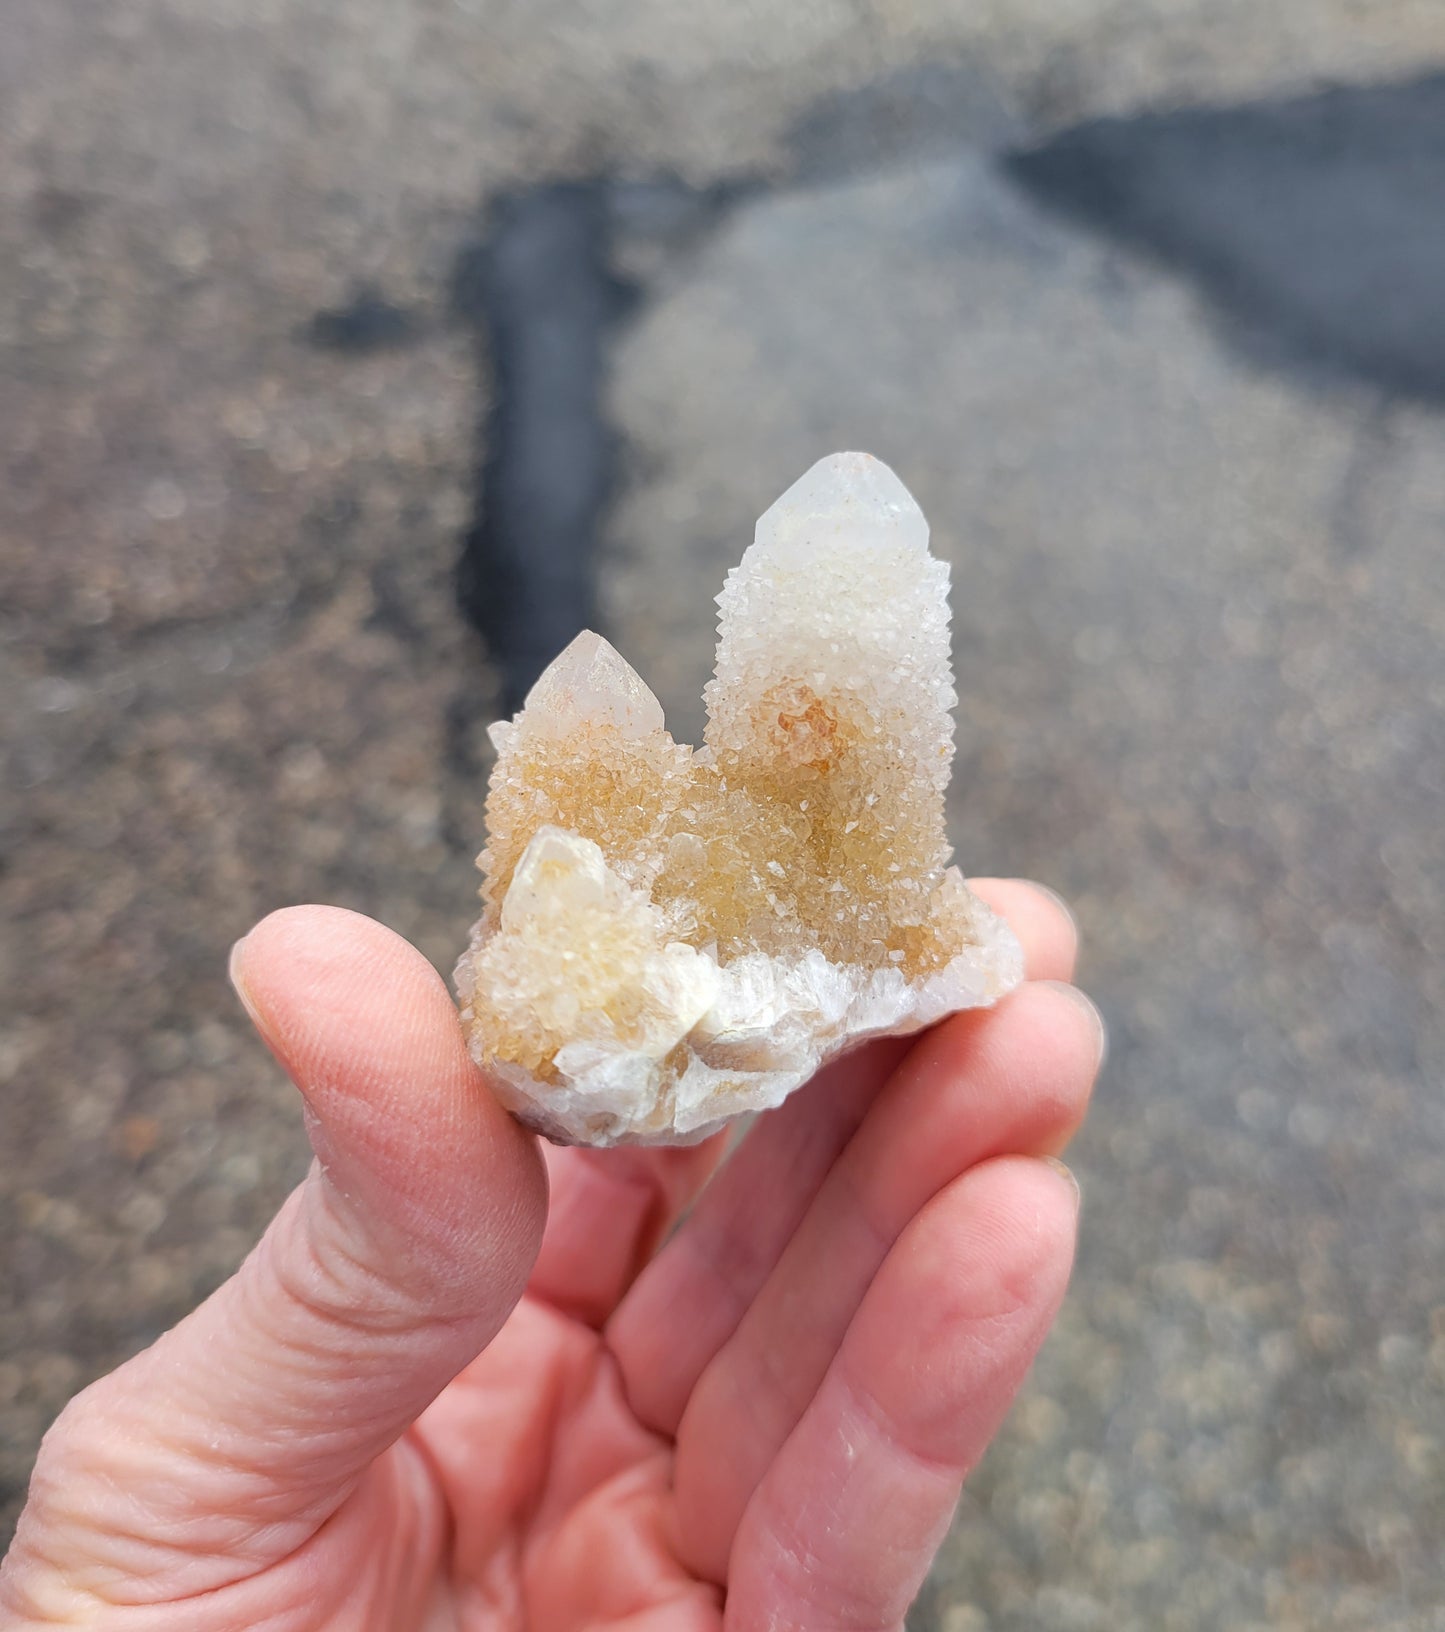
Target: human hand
column 765, row 1424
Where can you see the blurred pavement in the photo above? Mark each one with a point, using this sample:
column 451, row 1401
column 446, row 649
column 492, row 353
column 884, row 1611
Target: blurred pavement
column 1171, row 432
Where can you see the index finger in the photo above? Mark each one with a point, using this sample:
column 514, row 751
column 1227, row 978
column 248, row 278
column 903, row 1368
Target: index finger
column 1040, row 918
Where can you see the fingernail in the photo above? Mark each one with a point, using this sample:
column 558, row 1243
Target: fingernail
column 1096, row 1020
column 1058, row 901
column 1068, row 1175
column 233, row 972
column 248, row 1003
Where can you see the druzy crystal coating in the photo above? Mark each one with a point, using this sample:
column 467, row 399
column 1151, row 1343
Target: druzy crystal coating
column 672, row 938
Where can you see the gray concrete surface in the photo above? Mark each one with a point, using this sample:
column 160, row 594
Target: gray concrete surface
column 1199, row 606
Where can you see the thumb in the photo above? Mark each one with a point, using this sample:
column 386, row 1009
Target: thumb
column 390, row 1267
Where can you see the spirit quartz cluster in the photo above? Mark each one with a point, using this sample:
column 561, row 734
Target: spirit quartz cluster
column 674, row 937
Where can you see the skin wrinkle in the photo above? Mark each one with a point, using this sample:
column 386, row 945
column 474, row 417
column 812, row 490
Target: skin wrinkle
column 361, row 1298
column 378, row 1575
column 91, row 1600
column 341, row 1308
column 448, row 1251
column 156, row 1554
column 135, row 1529
column 311, row 1349
column 326, row 1289
column 590, row 1384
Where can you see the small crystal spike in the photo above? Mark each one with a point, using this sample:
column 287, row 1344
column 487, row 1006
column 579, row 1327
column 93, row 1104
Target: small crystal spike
column 591, row 680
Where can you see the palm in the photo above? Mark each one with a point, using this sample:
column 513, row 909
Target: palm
column 559, row 1500
column 764, row 1423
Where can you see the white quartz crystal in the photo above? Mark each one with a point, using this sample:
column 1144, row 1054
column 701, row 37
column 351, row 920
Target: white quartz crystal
column 671, row 939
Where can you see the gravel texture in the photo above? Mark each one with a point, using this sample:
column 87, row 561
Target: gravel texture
column 1200, row 620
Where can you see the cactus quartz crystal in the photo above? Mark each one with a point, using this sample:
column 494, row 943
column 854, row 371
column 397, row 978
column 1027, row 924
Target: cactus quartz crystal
column 674, row 937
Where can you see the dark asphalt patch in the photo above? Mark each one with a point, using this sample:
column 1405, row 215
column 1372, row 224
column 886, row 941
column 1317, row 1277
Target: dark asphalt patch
column 367, row 323
column 543, row 294
column 540, row 292
column 1317, row 223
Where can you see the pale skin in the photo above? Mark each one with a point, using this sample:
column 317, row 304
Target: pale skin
column 434, row 1400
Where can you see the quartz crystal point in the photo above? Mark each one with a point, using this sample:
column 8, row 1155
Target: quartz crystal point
column 672, row 938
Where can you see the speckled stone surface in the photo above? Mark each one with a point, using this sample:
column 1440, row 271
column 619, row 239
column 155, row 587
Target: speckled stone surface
column 1208, row 596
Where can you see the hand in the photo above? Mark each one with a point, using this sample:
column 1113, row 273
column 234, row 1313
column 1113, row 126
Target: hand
column 765, row 1424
